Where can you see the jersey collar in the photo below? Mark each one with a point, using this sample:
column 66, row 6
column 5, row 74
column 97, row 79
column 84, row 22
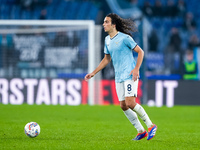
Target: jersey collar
column 114, row 35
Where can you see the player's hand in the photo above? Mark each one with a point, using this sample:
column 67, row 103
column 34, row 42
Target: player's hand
column 135, row 74
column 89, row 76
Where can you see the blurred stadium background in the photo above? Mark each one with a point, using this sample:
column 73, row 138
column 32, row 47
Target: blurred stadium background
column 44, row 55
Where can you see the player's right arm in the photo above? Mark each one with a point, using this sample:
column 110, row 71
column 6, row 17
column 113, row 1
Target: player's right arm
column 105, row 61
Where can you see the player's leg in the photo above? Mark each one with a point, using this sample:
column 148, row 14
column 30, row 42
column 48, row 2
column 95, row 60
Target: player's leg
column 143, row 115
column 129, row 113
column 141, row 131
column 130, row 94
column 132, row 117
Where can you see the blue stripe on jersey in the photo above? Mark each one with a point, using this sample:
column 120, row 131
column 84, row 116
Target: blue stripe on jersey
column 120, row 49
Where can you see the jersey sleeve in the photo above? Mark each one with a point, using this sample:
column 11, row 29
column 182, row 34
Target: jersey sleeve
column 106, row 48
column 129, row 42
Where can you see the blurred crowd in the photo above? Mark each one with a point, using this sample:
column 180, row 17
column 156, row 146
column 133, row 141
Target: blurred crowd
column 174, row 32
column 158, row 9
column 177, row 37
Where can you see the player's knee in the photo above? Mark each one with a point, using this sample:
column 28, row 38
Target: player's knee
column 123, row 106
column 130, row 104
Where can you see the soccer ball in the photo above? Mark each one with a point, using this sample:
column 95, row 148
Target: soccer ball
column 32, row 129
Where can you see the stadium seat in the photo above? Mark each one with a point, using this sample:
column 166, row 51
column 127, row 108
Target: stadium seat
column 15, row 12
column 93, row 13
column 5, row 11
column 83, row 11
column 26, row 15
column 72, row 10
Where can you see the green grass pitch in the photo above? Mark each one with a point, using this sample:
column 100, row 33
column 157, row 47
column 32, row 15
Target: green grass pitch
column 97, row 128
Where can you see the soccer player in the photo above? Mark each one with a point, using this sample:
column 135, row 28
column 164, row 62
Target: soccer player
column 118, row 47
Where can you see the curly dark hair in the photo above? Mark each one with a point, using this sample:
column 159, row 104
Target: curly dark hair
column 126, row 26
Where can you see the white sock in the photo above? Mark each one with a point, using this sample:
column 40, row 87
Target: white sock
column 132, row 117
column 143, row 115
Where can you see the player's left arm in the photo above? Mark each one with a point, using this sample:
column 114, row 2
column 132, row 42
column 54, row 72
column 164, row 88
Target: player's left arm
column 135, row 71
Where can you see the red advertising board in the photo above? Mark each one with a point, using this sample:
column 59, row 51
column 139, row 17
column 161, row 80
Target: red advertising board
column 17, row 91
